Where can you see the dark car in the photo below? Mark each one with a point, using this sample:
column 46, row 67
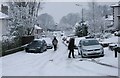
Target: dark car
column 36, row 46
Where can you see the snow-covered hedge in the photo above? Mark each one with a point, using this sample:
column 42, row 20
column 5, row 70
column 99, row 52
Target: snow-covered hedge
column 10, row 43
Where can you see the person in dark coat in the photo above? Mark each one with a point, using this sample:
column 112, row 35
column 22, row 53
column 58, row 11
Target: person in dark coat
column 71, row 48
column 55, row 42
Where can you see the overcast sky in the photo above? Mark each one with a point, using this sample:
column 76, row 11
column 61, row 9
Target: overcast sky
column 60, row 9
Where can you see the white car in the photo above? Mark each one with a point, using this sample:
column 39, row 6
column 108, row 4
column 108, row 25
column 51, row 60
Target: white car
column 48, row 41
column 90, row 48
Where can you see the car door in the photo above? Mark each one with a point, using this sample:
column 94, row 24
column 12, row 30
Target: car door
column 79, row 49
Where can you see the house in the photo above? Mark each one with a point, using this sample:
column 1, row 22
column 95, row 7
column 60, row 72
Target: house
column 38, row 31
column 108, row 23
column 116, row 15
column 3, row 24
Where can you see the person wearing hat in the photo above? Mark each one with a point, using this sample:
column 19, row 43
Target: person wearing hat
column 71, row 48
column 55, row 42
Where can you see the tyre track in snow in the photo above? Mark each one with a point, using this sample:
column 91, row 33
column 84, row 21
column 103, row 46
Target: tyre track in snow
column 28, row 60
column 33, row 62
column 60, row 54
column 54, row 57
column 38, row 61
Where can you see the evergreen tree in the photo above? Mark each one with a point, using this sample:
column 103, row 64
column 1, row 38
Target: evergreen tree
column 81, row 30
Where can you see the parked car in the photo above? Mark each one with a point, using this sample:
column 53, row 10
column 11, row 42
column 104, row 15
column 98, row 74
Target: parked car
column 49, row 42
column 105, row 44
column 36, row 46
column 90, row 48
column 117, row 33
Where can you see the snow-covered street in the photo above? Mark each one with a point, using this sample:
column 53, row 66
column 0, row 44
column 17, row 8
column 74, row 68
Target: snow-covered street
column 56, row 63
column 60, row 38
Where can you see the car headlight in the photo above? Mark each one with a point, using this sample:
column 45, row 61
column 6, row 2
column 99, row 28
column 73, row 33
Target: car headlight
column 101, row 49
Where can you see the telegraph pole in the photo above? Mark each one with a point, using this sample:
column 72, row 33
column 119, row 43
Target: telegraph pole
column 93, row 4
column 82, row 16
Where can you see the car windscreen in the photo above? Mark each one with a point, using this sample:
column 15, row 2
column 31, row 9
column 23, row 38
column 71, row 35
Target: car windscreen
column 90, row 42
column 36, row 43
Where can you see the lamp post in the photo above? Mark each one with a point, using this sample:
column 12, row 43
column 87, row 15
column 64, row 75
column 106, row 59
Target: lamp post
column 81, row 11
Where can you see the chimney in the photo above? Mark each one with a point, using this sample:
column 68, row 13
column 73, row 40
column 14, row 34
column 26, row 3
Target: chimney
column 106, row 16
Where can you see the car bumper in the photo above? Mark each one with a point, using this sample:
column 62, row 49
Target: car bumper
column 90, row 55
column 49, row 47
column 33, row 51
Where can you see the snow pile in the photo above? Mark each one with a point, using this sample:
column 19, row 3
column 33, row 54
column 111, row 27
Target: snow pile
column 2, row 16
column 37, row 27
column 78, row 39
column 113, row 39
column 109, row 58
column 0, row 67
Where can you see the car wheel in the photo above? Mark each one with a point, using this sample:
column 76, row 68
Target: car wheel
column 79, row 53
column 26, row 50
column 41, row 51
column 46, row 49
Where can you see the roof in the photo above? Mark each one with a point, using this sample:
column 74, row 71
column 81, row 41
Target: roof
column 119, row 15
column 111, row 28
column 110, row 18
column 37, row 27
column 116, row 5
column 3, row 16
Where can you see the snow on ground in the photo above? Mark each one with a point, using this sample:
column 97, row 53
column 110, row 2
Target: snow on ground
column 113, row 39
column 56, row 63
column 109, row 58
column 0, row 67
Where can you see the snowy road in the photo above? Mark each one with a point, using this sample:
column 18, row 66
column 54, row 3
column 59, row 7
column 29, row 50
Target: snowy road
column 56, row 63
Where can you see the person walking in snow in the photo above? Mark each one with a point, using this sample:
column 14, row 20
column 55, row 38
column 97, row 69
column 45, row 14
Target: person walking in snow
column 71, row 48
column 55, row 42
